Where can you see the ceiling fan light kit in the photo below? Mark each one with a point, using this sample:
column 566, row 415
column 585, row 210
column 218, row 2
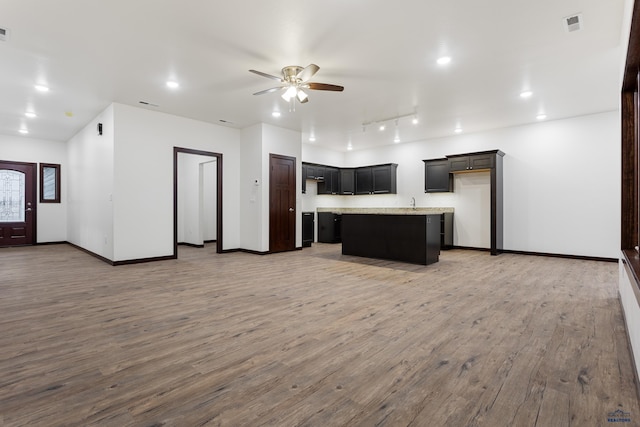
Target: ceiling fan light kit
column 294, row 81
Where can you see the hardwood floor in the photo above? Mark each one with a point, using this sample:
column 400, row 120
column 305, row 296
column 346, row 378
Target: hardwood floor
column 310, row 338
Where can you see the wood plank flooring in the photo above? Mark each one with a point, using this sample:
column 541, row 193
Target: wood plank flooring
column 310, row 338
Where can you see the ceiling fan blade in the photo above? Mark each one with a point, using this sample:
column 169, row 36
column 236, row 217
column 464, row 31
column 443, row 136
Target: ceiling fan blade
column 273, row 89
column 307, row 72
column 269, row 76
column 324, row 86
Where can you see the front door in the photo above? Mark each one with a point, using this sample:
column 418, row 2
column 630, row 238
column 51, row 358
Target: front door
column 282, row 203
column 17, row 203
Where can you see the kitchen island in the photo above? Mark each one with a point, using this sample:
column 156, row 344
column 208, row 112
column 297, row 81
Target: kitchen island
column 399, row 234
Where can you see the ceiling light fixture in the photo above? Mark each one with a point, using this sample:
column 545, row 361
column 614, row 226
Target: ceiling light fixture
column 415, row 121
column 173, row 85
column 395, row 119
column 541, row 116
column 458, row 130
column 382, row 127
column 276, row 114
column 41, row 88
column 526, row 94
column 312, row 138
column 396, row 139
column 30, row 114
column 349, row 147
column 444, row 60
column 23, row 131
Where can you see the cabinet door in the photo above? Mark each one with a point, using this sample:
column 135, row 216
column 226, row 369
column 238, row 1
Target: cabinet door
column 335, row 180
column 458, row 163
column 482, row 161
column 311, row 172
column 331, row 182
column 347, row 181
column 304, row 178
column 382, row 179
column 437, row 178
column 364, row 181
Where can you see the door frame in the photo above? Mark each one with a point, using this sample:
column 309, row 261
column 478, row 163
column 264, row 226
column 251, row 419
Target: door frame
column 218, row 157
column 34, row 195
column 272, row 157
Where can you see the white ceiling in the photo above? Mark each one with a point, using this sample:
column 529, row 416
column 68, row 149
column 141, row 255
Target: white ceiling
column 92, row 53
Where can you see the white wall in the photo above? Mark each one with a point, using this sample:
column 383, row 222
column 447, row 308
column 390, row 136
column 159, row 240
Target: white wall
column 561, row 184
column 251, row 184
column 51, row 217
column 90, row 175
column 143, row 186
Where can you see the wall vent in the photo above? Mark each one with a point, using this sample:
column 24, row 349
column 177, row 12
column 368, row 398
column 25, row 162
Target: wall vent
column 572, row 23
column 4, row 34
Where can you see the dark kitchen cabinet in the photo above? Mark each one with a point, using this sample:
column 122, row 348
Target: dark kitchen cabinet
column 364, row 181
column 304, row 178
column 347, row 181
column 437, row 178
column 446, row 230
column 471, row 162
column 379, row 179
column 308, row 229
column 331, row 182
column 329, row 227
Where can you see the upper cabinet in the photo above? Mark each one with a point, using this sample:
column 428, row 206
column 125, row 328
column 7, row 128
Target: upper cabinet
column 471, row 162
column 331, row 181
column 437, row 178
column 347, row 181
column 379, row 179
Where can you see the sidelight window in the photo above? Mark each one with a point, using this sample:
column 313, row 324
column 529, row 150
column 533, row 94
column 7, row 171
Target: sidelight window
column 49, row 183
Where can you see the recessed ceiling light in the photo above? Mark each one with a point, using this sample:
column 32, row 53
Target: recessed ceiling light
column 458, row 130
column 541, row 116
column 396, row 139
column 414, row 121
column 30, row 114
column 23, row 131
column 444, row 60
column 312, row 139
column 382, row 127
column 276, row 114
column 349, row 147
column 41, row 88
column 526, row 94
column 173, row 85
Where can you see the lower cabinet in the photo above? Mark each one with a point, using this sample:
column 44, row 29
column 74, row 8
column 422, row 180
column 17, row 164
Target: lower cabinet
column 308, row 229
column 329, row 227
column 406, row 238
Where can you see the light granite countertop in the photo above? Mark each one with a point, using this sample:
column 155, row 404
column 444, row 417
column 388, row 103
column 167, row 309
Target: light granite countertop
column 387, row 211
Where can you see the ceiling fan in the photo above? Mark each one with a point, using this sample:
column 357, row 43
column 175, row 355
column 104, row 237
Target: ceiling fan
column 295, row 80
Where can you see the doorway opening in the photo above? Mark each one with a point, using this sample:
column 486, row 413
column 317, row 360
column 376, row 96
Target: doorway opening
column 197, row 198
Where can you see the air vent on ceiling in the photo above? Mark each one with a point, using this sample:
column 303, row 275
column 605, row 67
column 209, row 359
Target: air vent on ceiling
column 572, row 23
column 4, row 34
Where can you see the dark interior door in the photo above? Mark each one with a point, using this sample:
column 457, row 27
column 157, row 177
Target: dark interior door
column 17, row 203
column 282, row 203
